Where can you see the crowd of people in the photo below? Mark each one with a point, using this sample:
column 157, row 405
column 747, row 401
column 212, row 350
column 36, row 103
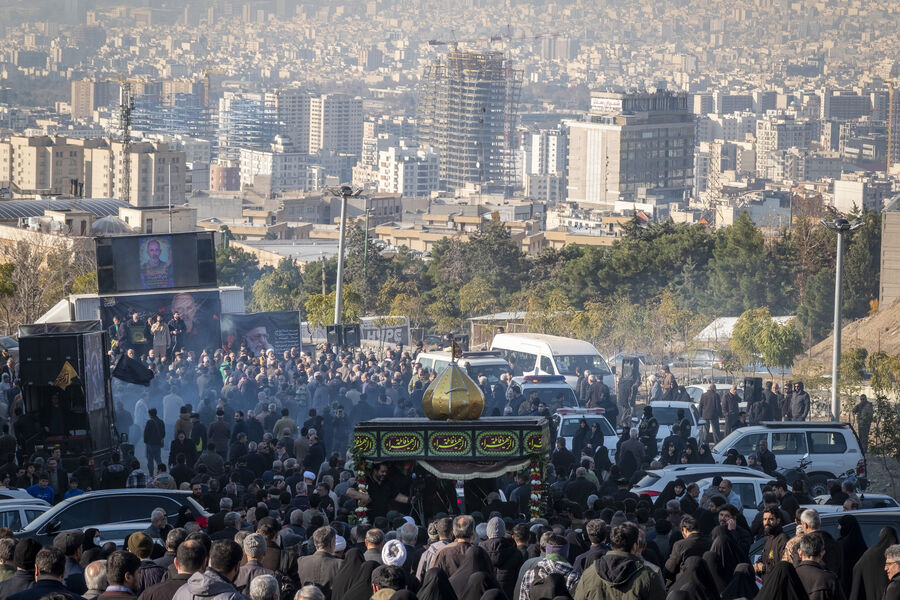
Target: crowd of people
column 261, row 443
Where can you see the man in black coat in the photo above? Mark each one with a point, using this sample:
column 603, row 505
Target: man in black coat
column 49, row 566
column 818, row 582
column 892, row 568
column 580, row 488
column 767, row 460
column 776, row 540
column 154, row 439
column 711, row 410
column 693, row 543
column 787, row 500
column 189, row 559
column 24, row 556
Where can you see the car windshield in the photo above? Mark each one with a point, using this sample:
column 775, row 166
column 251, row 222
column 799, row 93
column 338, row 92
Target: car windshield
column 492, row 372
column 567, row 363
column 666, row 415
column 647, row 480
column 553, row 397
column 570, row 426
column 726, row 442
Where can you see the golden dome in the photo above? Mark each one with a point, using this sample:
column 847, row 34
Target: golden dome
column 453, row 395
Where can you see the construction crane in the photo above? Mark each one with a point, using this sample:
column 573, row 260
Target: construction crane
column 497, row 37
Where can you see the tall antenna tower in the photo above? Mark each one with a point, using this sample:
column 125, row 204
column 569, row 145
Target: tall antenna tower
column 126, row 106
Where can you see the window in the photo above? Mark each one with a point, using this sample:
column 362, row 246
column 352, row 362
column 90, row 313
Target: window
column 31, row 515
column 82, row 514
column 524, row 360
column 747, row 492
column 138, row 508
column 11, row 519
column 826, row 442
column 546, row 365
column 747, row 444
column 788, row 443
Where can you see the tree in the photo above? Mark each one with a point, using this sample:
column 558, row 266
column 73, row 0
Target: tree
column 279, row 289
column 745, row 338
column 780, row 344
column 477, row 297
column 320, row 308
column 492, row 255
column 737, row 269
column 364, row 266
column 816, row 311
column 236, row 266
column 862, row 267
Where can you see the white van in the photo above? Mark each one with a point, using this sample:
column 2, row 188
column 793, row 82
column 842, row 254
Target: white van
column 540, row 354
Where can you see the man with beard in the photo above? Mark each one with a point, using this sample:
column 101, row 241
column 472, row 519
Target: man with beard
column 776, row 539
column 381, row 495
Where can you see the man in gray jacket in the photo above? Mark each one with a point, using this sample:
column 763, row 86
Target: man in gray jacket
column 215, row 582
column 799, row 403
column 320, row 568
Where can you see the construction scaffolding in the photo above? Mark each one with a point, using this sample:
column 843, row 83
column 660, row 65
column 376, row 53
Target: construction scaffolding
column 468, row 108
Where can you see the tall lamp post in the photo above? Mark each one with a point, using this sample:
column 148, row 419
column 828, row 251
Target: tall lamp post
column 344, row 192
column 840, row 226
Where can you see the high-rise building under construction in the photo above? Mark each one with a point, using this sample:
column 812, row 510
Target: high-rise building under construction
column 467, row 113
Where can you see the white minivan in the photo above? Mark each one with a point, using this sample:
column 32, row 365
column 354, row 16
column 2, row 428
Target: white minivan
column 540, row 354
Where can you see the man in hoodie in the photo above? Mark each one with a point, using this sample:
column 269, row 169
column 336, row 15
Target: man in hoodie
column 505, row 557
column 215, row 582
column 190, row 558
column 620, row 573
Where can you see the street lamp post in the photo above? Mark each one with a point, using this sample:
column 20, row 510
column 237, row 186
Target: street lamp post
column 343, row 193
column 840, row 226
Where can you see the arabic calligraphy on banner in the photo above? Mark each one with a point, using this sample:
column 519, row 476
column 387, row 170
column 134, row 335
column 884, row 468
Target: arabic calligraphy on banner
column 408, row 443
column 497, row 443
column 364, row 443
column 449, row 443
column 534, row 442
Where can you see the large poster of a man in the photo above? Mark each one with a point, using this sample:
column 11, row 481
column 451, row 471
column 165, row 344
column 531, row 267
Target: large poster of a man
column 94, row 391
column 193, row 315
column 156, row 262
column 261, row 332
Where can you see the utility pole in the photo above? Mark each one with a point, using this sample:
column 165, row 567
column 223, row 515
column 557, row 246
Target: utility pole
column 126, row 105
column 170, row 195
column 343, row 193
column 840, row 226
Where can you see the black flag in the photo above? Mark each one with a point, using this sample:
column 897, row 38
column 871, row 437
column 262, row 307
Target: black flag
column 132, row 371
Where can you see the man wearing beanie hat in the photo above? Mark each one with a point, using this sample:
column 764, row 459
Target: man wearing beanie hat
column 23, row 556
column 254, row 549
column 69, row 543
column 141, row 545
column 555, row 561
column 505, row 557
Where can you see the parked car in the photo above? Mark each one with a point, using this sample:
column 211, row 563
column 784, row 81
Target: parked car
column 871, row 521
column 666, row 414
column 866, row 501
column 832, row 448
column 655, row 481
column 14, row 494
column 489, row 364
column 16, row 514
column 109, row 507
column 567, row 420
column 704, row 358
column 552, row 390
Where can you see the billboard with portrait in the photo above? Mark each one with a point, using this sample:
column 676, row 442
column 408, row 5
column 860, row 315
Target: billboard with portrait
column 278, row 331
column 134, row 263
column 199, row 310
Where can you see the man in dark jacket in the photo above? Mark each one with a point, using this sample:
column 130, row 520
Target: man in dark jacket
column 892, row 568
column 596, row 532
column 731, row 407
column 799, row 403
column 24, row 556
column 770, row 399
column 150, row 573
column 711, row 410
column 505, row 557
column 776, row 539
column 154, row 439
column 818, row 582
column 49, row 567
column 767, row 459
column 620, row 573
column 319, row 568
column 693, row 543
column 69, row 543
column 189, row 559
column 115, row 475
column 254, row 551
column 580, row 488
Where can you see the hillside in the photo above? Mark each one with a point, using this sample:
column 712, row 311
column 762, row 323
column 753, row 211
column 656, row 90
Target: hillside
column 880, row 331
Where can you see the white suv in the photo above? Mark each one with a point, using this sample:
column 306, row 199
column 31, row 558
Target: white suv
column 832, row 448
column 490, row 364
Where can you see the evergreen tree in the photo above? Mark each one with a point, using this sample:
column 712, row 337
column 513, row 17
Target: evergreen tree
column 737, row 271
